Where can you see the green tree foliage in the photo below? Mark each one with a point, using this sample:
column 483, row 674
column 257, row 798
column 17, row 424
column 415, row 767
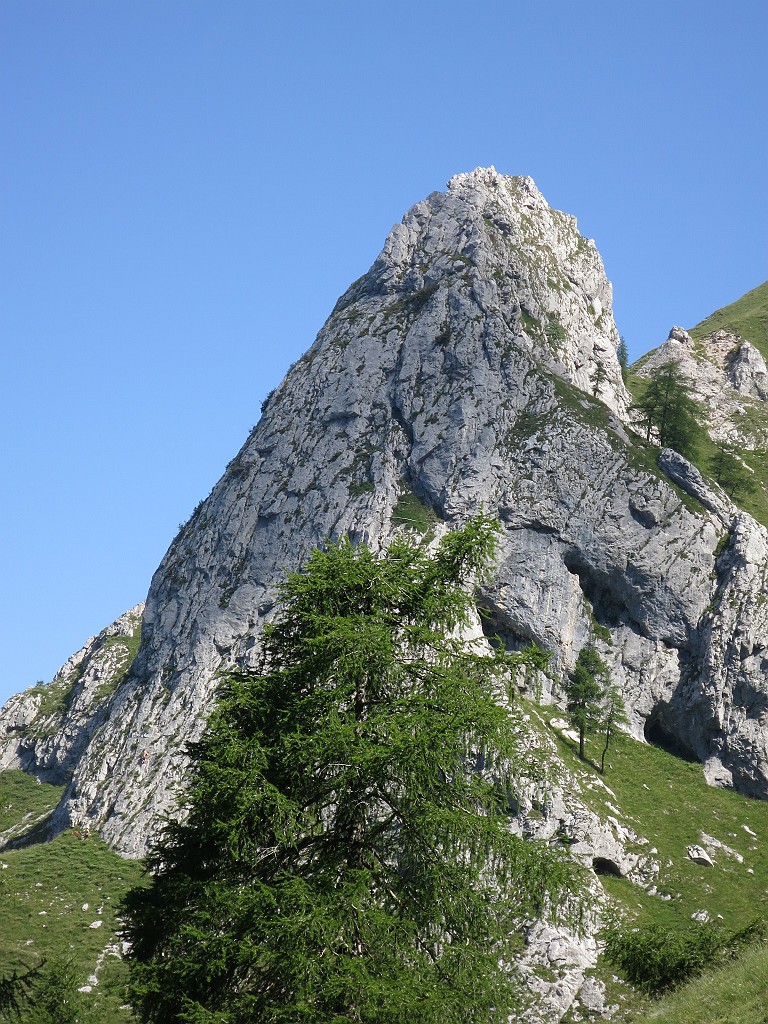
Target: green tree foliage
column 346, row 853
column 656, row 959
column 668, row 411
column 598, row 378
column 585, row 690
column 56, row 999
column 622, row 352
column 15, row 992
column 46, row 994
column 730, row 472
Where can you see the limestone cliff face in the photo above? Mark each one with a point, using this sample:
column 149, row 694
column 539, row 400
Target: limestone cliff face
column 473, row 365
column 728, row 375
column 46, row 729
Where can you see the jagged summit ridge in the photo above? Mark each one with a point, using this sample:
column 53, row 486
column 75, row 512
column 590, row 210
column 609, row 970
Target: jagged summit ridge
column 528, row 266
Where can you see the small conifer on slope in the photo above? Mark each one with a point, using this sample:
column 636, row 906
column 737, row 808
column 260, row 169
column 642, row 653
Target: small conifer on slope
column 341, row 858
column 594, row 703
column 669, row 413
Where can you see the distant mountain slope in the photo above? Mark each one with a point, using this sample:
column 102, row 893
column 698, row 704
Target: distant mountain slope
column 722, row 359
column 45, row 729
column 747, row 317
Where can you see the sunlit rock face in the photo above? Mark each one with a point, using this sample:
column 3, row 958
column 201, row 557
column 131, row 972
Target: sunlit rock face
column 473, row 366
column 46, row 729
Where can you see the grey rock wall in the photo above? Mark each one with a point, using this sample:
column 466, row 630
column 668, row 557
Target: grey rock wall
column 46, row 729
column 473, row 366
column 728, row 375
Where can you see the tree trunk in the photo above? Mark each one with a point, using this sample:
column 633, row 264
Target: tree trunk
column 605, row 751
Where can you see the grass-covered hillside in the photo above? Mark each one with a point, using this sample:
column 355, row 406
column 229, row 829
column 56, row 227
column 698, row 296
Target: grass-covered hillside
column 747, row 317
column 666, row 801
column 735, row 993
column 58, row 911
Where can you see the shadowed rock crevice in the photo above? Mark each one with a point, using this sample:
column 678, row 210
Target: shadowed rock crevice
column 660, row 733
column 608, row 606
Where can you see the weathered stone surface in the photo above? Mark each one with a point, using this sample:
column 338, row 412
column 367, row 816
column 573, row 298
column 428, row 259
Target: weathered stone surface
column 748, row 372
column 680, row 335
column 45, row 730
column 712, row 845
column 730, row 378
column 687, row 476
column 461, row 371
column 592, row 998
column 699, row 855
column 564, row 955
column 455, row 371
column 474, row 366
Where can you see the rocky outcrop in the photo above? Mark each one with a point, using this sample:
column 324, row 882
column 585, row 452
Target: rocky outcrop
column 728, row 375
column 746, row 369
column 680, row 335
column 689, row 478
column 473, row 366
column 46, row 729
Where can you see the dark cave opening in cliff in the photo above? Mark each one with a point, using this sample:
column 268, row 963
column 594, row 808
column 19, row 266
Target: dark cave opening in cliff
column 658, row 736
column 598, row 588
column 604, row 866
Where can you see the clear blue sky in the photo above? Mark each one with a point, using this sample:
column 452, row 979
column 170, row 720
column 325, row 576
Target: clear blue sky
column 187, row 187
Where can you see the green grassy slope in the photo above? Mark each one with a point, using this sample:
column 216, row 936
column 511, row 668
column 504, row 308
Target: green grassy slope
column 666, row 800
column 672, row 812
column 735, row 994
column 52, row 895
column 747, row 317
column 24, row 805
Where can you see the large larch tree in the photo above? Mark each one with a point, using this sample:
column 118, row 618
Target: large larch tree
column 345, row 851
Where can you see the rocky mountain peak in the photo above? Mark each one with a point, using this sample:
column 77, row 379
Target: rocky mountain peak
column 528, row 269
column 473, row 366
column 680, row 335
